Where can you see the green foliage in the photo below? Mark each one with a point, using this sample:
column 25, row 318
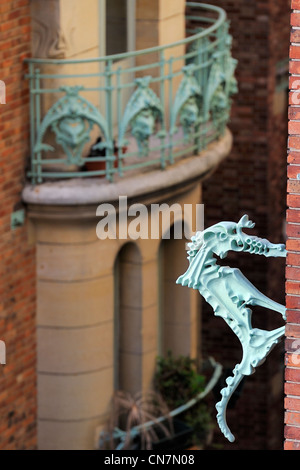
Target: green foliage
column 178, row 381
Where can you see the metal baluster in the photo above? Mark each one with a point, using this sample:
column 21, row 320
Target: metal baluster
column 37, row 122
column 109, row 119
column 162, row 133
column 170, row 79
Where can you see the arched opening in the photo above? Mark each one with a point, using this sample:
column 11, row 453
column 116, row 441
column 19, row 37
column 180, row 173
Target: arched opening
column 178, row 305
column 128, row 320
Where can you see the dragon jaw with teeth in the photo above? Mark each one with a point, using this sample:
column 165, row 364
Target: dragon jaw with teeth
column 230, row 294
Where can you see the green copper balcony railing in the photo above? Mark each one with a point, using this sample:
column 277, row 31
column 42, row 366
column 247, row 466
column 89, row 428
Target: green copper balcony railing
column 135, row 110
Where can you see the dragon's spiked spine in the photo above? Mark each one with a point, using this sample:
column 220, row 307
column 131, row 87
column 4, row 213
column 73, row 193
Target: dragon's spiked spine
column 221, row 406
column 230, row 293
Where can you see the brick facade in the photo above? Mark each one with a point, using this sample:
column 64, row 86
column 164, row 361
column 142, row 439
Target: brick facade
column 253, row 181
column 17, row 275
column 292, row 357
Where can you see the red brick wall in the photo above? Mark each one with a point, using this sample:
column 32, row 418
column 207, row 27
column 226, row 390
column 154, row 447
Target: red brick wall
column 253, row 181
column 292, row 372
column 17, row 258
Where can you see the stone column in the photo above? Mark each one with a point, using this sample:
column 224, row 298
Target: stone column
column 159, row 23
column 75, row 326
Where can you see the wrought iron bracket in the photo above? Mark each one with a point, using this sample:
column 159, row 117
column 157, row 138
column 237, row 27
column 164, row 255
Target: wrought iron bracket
column 17, row 219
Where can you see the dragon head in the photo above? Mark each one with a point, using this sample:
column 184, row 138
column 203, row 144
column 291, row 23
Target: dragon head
column 229, row 236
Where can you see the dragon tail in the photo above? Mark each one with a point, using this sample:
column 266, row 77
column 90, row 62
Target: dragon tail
column 221, row 406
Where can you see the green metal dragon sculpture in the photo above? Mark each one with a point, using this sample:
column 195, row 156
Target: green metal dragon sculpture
column 230, row 294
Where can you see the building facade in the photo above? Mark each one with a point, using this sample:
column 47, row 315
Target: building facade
column 82, row 316
column 107, row 307
column 18, row 297
column 292, row 372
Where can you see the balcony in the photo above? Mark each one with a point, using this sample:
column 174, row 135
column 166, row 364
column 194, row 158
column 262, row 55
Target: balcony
column 126, row 114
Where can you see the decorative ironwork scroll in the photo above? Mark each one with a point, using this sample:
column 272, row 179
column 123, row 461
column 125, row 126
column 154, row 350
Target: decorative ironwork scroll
column 222, row 84
column 231, row 294
column 71, row 119
column 188, row 102
column 142, row 112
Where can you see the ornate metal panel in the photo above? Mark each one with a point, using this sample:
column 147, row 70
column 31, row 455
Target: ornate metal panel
column 142, row 112
column 71, row 119
column 187, row 103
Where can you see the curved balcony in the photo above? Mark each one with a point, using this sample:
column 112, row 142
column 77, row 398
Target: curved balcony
column 118, row 115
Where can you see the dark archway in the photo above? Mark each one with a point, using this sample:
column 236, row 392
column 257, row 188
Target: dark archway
column 128, row 319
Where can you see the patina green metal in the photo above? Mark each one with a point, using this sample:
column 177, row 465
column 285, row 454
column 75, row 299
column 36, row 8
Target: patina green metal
column 231, row 294
column 142, row 113
column 17, row 219
column 221, row 86
column 187, row 103
column 180, row 102
column 71, row 119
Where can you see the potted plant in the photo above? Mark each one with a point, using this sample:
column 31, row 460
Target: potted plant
column 150, row 420
column 136, row 421
column 178, row 381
